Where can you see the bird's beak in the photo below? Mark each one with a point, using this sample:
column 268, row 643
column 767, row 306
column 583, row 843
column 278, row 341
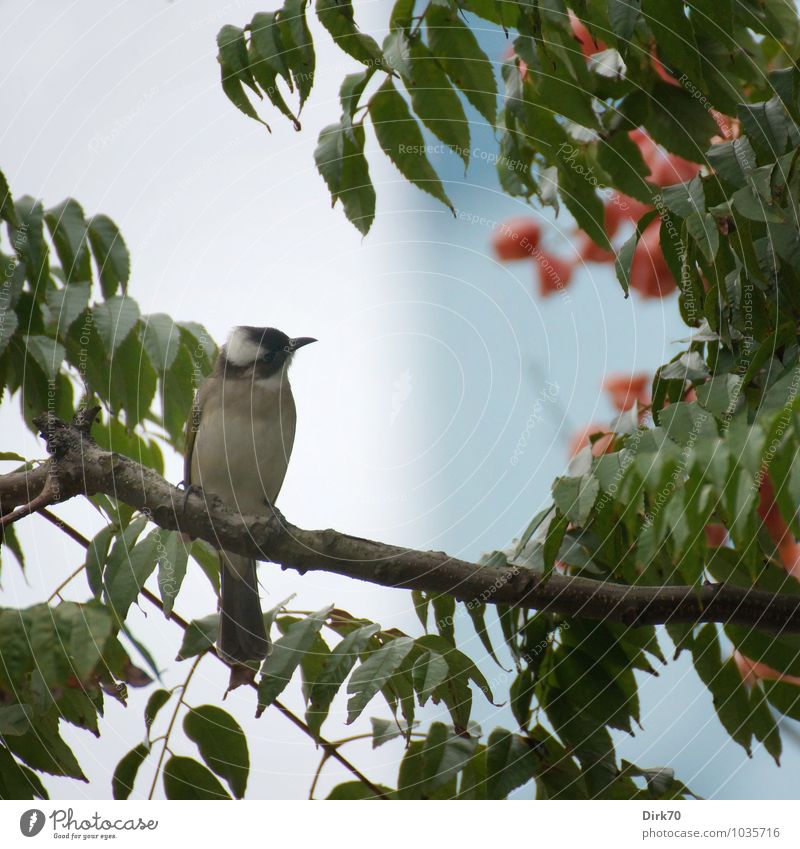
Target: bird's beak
column 299, row 342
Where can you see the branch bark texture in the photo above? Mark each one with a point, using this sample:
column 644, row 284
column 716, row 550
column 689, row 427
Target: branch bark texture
column 78, row 466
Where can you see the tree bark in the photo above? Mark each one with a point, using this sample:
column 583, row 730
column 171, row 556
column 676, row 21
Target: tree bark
column 78, row 466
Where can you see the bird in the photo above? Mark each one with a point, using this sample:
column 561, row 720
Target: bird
column 239, row 439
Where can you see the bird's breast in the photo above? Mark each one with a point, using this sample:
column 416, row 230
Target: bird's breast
column 244, row 442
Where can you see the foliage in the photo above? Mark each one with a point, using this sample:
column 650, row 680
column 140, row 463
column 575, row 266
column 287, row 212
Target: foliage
column 716, row 447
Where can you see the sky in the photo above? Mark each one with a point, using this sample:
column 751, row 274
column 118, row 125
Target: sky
column 435, row 410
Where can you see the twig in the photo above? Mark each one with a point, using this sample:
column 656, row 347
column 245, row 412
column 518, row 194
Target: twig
column 172, row 723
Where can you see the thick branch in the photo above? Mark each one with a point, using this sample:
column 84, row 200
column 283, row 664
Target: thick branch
column 80, row 466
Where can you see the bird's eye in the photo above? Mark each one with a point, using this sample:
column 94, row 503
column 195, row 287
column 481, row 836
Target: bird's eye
column 268, row 356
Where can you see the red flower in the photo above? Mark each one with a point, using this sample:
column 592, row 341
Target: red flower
column 625, row 389
column 588, row 44
column 516, row 238
column 555, row 273
column 581, row 439
column 752, row 671
column 716, row 535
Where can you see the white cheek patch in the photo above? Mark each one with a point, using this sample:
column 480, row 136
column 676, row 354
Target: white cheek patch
column 241, row 350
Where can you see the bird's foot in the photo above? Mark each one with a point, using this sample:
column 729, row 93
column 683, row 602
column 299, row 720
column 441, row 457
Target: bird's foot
column 189, row 489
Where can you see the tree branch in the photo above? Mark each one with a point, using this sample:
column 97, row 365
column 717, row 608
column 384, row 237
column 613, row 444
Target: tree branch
column 80, row 466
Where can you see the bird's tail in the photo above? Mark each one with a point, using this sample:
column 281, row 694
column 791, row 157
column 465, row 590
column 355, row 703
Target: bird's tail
column 242, row 636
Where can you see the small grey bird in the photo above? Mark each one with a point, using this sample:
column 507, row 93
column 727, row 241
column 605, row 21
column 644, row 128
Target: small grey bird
column 238, row 442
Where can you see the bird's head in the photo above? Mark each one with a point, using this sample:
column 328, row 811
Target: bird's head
column 263, row 349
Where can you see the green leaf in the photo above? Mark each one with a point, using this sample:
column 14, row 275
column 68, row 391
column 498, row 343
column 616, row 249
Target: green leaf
column 90, row 627
column 233, row 56
column 374, row 673
column 299, row 46
column 199, row 636
column 172, row 557
column 575, row 497
column 384, row 730
column 337, row 17
column 432, row 96
column 156, row 701
column 766, row 125
column 340, row 160
column 222, row 745
column 114, row 319
column 110, row 255
column 733, row 160
column 623, row 15
column 444, row 755
column 678, row 122
column 185, row 778
column 477, row 613
column 731, row 700
column 7, row 211
column 765, row 729
column 510, row 763
column 287, row 652
column 674, row 37
column 28, row 239
column 400, row 138
column 15, row 719
column 267, row 61
column 126, row 572
column 46, row 353
column 337, row 667
column 7, row 328
column 161, row 340
column 553, row 541
column 455, row 47
column 624, row 260
column 355, row 790
column 126, row 771
column 43, row 749
column 428, row 673
column 17, row 781
column 68, row 228
column 267, row 47
column 65, row 305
